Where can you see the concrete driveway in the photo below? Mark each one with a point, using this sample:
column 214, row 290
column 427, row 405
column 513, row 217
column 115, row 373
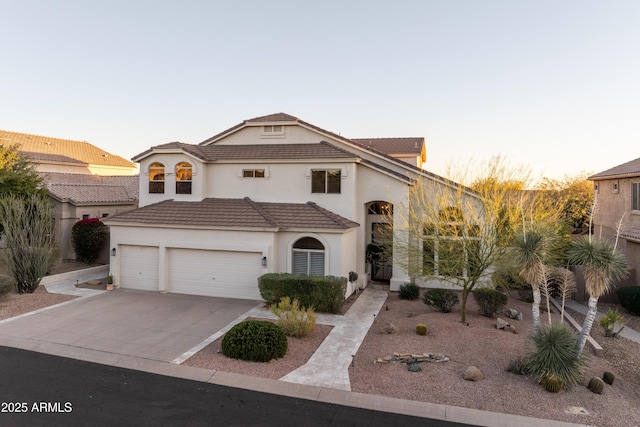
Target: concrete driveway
column 140, row 324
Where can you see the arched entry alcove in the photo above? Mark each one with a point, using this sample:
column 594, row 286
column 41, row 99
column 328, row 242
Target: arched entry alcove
column 378, row 239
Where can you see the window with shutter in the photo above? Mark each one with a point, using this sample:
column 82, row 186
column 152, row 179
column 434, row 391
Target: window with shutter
column 308, row 257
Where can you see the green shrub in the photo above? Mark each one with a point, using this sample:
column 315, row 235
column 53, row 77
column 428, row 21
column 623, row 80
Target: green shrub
column 255, row 340
column 609, row 322
column 7, row 284
column 443, row 299
column 554, row 354
column 409, row 291
column 421, row 329
column 518, row 366
column 88, row 236
column 324, row 293
column 490, row 300
column 629, row 297
column 294, row 320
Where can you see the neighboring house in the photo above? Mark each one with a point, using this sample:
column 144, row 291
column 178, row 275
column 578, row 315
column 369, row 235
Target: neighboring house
column 271, row 194
column 617, row 195
column 77, row 197
column 410, row 150
column 83, row 181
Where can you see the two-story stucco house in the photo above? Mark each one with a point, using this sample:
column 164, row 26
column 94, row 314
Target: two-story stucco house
column 271, row 194
column 617, row 194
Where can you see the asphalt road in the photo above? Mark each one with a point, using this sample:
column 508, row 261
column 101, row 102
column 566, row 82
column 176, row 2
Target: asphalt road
column 43, row 390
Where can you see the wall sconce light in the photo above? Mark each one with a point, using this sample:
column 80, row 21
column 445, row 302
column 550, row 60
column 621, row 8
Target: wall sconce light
column 113, row 252
column 264, row 261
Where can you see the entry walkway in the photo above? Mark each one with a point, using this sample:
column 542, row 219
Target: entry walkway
column 627, row 332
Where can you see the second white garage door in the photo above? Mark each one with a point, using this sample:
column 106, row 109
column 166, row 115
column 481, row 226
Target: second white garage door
column 228, row 274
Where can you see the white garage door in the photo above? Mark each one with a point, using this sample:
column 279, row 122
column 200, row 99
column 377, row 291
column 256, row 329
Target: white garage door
column 139, row 267
column 227, row 274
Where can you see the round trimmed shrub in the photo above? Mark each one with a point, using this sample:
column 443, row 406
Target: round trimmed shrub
column 255, row 340
column 490, row 300
column 409, row 291
column 443, row 299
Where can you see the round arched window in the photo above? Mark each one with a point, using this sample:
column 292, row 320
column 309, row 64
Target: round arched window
column 308, row 257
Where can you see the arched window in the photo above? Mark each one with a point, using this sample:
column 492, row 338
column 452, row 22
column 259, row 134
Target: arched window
column 156, row 178
column 183, row 178
column 308, row 257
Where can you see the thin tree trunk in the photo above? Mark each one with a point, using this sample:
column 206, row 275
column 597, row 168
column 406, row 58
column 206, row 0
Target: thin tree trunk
column 588, row 323
column 465, row 294
column 535, row 310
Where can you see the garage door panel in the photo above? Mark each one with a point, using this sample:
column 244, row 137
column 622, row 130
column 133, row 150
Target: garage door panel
column 139, row 267
column 228, row 274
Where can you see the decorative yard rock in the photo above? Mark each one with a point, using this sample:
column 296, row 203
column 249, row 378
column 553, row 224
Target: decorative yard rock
column 514, row 314
column 413, row 358
column 94, row 282
column 389, row 328
column 505, row 326
column 501, row 323
column 473, row 374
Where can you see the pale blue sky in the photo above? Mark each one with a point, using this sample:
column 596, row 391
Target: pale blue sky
column 550, row 84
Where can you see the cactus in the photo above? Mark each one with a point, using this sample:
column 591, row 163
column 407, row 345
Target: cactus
column 596, row 385
column 608, row 377
column 421, row 329
column 552, row 383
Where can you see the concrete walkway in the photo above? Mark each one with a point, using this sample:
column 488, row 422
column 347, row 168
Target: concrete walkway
column 627, row 332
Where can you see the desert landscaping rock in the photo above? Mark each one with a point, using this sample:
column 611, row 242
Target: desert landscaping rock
column 389, row 328
column 472, row 373
column 514, row 314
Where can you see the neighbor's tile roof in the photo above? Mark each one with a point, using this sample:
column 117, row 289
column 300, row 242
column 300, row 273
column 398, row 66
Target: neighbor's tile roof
column 47, row 149
column 241, row 213
column 92, row 189
column 393, row 145
column 628, row 169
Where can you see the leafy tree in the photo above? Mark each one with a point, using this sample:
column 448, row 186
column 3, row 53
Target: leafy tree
column 575, row 195
column 28, row 229
column 88, row 237
column 17, row 172
column 454, row 233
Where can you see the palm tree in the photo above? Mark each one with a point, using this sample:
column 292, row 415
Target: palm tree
column 533, row 249
column 602, row 266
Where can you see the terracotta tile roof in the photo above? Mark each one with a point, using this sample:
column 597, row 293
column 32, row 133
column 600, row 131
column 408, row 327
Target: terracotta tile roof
column 277, row 117
column 91, row 189
column 189, row 148
column 275, row 151
column 240, row 213
column 393, row 145
column 47, row 149
column 628, row 169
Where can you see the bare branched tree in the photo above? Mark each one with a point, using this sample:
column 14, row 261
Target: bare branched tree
column 454, row 233
column 28, row 230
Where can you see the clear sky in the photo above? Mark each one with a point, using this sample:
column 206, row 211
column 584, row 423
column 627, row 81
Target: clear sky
column 554, row 85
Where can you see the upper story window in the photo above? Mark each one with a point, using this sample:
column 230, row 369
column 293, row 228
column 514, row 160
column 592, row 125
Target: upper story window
column 183, row 178
column 326, row 181
column 253, row 173
column 635, row 196
column 156, row 178
column 272, row 131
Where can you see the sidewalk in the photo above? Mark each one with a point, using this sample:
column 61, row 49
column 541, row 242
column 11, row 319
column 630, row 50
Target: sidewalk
column 627, row 332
